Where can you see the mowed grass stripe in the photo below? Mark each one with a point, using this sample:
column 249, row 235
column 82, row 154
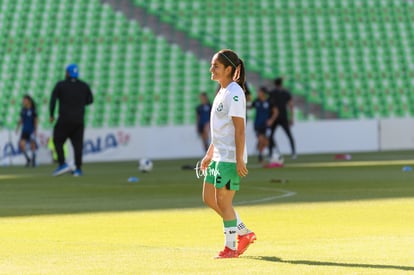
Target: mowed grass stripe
column 372, row 237
column 342, row 220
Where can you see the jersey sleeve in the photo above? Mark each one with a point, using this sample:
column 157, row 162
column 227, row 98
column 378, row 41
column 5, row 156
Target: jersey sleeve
column 237, row 103
column 89, row 98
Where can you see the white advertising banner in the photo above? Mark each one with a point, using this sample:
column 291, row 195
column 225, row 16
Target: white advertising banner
column 331, row 136
column 397, row 134
column 328, row 136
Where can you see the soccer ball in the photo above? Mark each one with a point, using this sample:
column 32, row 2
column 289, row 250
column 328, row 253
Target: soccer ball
column 145, row 165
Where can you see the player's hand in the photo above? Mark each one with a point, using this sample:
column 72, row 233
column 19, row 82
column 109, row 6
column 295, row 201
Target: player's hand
column 242, row 169
column 205, row 162
column 291, row 122
column 51, row 119
column 269, row 123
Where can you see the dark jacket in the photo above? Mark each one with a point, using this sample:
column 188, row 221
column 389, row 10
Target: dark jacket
column 73, row 95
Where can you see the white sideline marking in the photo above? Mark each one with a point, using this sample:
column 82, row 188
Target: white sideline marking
column 354, row 163
column 343, row 163
column 285, row 194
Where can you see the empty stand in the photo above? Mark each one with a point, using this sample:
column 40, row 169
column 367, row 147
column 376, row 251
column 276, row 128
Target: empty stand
column 352, row 57
column 137, row 78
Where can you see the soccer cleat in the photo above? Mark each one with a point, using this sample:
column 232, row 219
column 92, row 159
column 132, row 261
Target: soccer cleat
column 227, row 253
column 77, row 173
column 62, row 169
column 245, row 241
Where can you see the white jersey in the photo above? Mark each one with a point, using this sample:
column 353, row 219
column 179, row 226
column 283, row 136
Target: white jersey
column 229, row 102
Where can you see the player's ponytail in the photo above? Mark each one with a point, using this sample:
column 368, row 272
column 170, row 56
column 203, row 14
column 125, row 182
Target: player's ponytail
column 230, row 58
column 240, row 75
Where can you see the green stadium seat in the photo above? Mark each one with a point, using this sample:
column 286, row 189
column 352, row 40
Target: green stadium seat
column 331, row 52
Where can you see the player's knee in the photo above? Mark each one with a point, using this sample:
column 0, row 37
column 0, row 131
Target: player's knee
column 223, row 204
column 207, row 200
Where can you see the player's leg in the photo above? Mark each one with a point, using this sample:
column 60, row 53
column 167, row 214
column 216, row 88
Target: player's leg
column 209, row 197
column 227, row 183
column 286, row 128
column 76, row 139
column 224, row 199
column 33, row 148
column 258, row 141
column 262, row 143
column 233, row 224
column 60, row 134
column 272, row 142
column 22, row 145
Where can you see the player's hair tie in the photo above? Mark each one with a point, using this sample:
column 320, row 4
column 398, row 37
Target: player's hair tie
column 229, row 60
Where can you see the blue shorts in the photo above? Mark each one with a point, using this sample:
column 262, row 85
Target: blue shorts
column 27, row 136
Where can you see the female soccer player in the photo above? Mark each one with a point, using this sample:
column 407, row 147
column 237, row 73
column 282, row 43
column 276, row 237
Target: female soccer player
column 203, row 119
column 28, row 118
column 226, row 157
column 266, row 114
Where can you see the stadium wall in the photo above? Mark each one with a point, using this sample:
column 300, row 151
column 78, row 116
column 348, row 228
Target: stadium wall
column 326, row 136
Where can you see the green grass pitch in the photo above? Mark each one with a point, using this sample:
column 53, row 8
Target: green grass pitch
column 315, row 216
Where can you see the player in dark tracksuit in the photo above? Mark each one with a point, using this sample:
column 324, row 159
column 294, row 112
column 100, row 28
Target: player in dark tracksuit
column 282, row 99
column 73, row 95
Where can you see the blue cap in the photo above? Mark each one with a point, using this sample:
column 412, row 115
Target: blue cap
column 73, row 70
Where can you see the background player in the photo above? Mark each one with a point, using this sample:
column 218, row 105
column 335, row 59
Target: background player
column 29, row 120
column 226, row 157
column 73, row 95
column 282, row 99
column 266, row 114
column 203, row 119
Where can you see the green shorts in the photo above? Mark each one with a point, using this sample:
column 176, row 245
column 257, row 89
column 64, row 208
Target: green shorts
column 223, row 174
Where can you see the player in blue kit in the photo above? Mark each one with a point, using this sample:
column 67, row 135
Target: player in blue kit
column 266, row 114
column 203, row 119
column 28, row 121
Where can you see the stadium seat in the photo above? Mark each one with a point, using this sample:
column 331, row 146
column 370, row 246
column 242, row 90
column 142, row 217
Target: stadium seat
column 330, row 52
column 116, row 56
column 304, row 39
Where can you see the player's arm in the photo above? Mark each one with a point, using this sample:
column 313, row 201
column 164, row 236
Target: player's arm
column 275, row 114
column 18, row 125
column 89, row 98
column 52, row 103
column 205, row 162
column 36, row 123
column 240, row 140
column 198, row 116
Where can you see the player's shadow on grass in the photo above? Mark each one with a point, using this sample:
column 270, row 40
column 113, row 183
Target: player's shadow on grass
column 322, row 263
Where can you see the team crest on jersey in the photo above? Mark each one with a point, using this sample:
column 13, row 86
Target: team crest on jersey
column 220, row 107
column 236, row 98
